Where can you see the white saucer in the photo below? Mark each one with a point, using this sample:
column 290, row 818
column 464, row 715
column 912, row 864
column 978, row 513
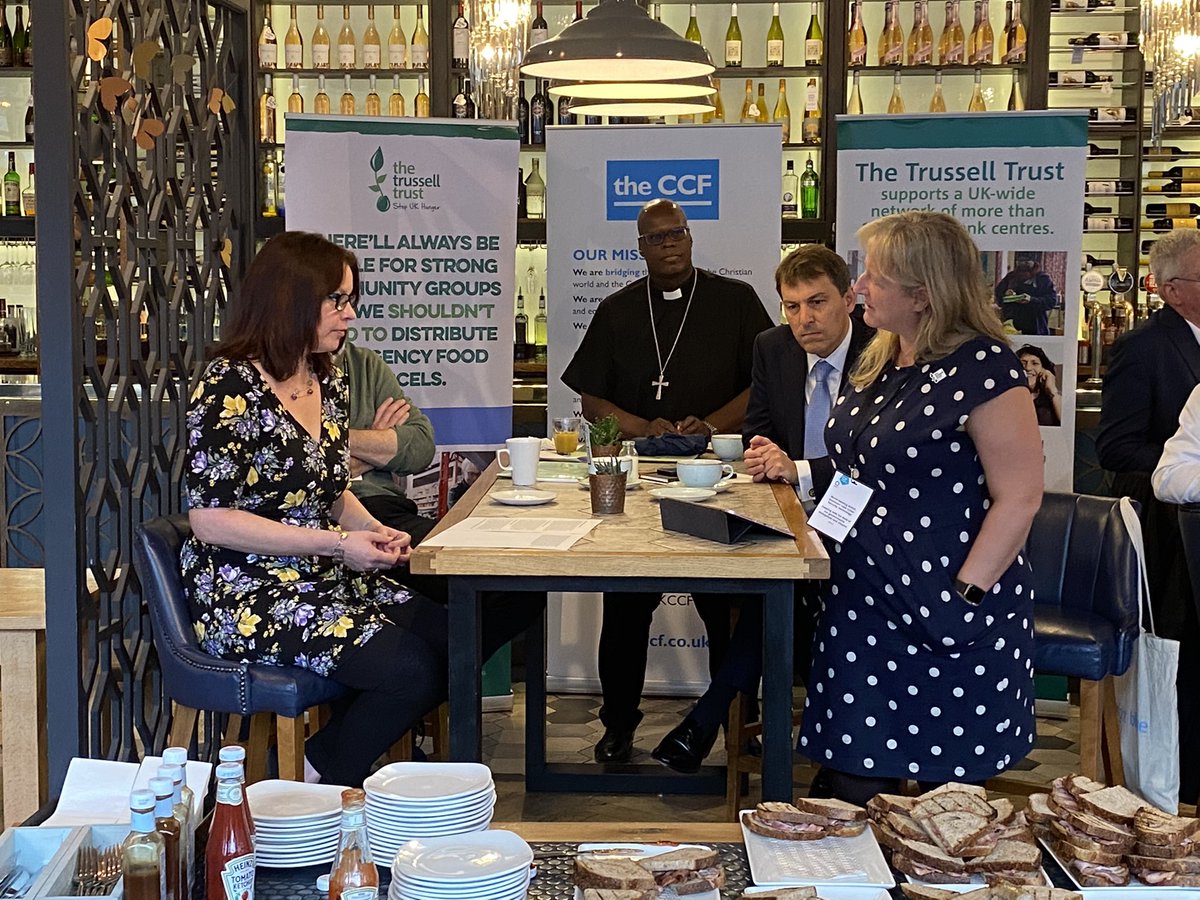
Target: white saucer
column 523, row 497
column 683, row 493
column 585, row 483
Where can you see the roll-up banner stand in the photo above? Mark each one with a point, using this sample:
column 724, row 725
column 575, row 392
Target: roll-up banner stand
column 727, row 179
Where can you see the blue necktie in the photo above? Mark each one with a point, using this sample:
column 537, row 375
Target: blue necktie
column 816, row 413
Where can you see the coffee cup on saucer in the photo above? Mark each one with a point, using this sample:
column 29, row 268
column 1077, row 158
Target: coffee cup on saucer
column 703, row 473
column 727, row 446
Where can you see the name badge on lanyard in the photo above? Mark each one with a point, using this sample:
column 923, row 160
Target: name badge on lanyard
column 840, row 507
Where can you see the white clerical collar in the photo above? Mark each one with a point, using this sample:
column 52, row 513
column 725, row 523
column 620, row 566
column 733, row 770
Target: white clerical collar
column 1195, row 330
column 673, row 295
column 837, row 358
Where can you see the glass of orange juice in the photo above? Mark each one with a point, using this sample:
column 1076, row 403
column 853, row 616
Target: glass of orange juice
column 566, row 434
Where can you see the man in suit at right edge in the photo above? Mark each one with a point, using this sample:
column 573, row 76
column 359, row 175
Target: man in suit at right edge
column 799, row 369
column 1150, row 374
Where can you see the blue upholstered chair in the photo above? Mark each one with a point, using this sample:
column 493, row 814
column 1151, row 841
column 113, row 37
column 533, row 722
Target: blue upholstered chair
column 1085, row 579
column 195, row 681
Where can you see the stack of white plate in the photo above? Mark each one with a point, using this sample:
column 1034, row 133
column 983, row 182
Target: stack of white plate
column 490, row 865
column 424, row 800
column 297, row 824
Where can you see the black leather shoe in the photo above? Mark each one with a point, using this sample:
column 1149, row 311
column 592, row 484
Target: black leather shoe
column 615, row 747
column 685, row 746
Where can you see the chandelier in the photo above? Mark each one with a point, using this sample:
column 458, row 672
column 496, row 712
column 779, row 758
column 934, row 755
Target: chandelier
column 1170, row 42
column 499, row 31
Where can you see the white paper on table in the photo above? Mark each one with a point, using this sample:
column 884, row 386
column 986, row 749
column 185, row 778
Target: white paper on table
column 97, row 790
column 513, row 533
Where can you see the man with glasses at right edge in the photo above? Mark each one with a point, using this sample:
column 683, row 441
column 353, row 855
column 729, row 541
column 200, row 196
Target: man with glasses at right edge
column 1150, row 374
column 670, row 353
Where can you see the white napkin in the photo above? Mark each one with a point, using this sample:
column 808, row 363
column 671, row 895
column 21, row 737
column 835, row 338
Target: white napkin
column 97, row 790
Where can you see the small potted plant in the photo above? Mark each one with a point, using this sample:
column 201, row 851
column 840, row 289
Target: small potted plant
column 607, row 486
column 604, row 436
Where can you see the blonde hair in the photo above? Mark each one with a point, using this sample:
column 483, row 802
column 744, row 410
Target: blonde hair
column 930, row 251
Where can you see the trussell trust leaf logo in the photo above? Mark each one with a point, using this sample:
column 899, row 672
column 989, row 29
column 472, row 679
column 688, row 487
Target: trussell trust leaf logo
column 382, row 204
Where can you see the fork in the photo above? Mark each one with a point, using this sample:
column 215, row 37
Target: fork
column 86, row 864
column 108, row 870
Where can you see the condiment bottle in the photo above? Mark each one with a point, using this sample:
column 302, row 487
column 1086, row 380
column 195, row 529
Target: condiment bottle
column 354, row 876
column 143, row 852
column 180, row 812
column 168, row 826
column 235, row 753
column 629, row 452
column 177, row 756
column 229, row 862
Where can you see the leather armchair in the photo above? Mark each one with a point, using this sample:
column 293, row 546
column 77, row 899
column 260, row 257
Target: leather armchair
column 195, row 681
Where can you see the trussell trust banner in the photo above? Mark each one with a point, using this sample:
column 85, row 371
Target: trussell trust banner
column 1016, row 181
column 726, row 179
column 427, row 206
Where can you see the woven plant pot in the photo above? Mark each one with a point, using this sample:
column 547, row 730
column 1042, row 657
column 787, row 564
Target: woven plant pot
column 599, row 450
column 608, row 494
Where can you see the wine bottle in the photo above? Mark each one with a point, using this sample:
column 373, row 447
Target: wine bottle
column 1016, row 99
column 811, row 126
column 810, row 191
column 718, row 113
column 421, row 101
column 1004, row 33
column 1078, row 76
column 347, row 48
column 539, row 328
column 733, row 40
column 1080, row 5
column 293, row 43
column 1174, row 224
column 1174, row 186
column 951, row 44
column 535, row 192
column 1112, row 114
column 1108, row 187
column 761, row 102
column 347, row 104
column 396, row 101
column 693, row 27
column 937, row 102
column 1104, row 39
column 29, row 120
column 295, row 99
column 539, row 30
column 749, row 110
column 896, row 102
column 1014, row 47
column 19, row 39
column 460, row 40
column 973, row 36
column 266, row 113
column 463, row 106
column 891, row 38
column 985, row 41
column 1172, row 210
column 783, row 112
column 814, row 40
column 854, row 106
column 372, row 46
column 522, row 114
column 320, row 42
column 397, row 42
column 1097, row 261
column 1090, row 210
column 420, row 41
column 1166, row 151
column 29, row 195
column 857, row 38
column 564, row 111
column 789, row 207
column 1185, row 173
column 775, row 38
column 373, row 106
column 977, row 102
column 268, row 47
column 321, row 101
column 578, row 11
column 919, row 48
column 539, row 107
column 270, row 186
column 1097, row 150
column 28, row 58
column 1107, row 223
column 12, row 187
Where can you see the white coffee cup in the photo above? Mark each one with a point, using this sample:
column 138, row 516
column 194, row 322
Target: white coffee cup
column 522, row 462
column 727, row 446
column 703, row 472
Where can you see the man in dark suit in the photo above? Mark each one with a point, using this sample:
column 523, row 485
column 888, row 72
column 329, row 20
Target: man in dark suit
column 798, row 370
column 1150, row 375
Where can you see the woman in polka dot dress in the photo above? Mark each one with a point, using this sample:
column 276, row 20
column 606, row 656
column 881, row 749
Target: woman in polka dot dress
column 923, row 654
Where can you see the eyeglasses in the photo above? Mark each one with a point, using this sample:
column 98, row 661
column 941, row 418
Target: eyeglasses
column 656, row 238
column 340, row 299
column 1181, row 278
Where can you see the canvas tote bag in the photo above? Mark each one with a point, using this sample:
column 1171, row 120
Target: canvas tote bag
column 1146, row 698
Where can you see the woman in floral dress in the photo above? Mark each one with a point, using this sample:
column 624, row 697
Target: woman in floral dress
column 285, row 566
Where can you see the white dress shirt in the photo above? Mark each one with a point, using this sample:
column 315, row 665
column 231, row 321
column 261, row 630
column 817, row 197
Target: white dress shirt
column 1177, row 478
column 837, row 363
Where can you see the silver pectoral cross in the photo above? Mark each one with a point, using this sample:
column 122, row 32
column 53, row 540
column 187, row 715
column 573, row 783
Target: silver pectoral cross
column 660, row 384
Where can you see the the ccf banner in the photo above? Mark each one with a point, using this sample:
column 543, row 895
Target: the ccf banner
column 726, row 178
column 429, row 208
column 1016, row 181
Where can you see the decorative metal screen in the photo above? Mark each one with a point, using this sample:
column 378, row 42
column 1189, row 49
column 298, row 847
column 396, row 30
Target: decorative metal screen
column 161, row 201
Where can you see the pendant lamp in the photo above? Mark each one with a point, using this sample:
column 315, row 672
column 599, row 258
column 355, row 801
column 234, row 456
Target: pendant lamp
column 613, row 106
column 636, row 90
column 617, row 42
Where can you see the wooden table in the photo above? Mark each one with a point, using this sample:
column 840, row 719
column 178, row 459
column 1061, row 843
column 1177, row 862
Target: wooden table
column 629, row 552
column 23, row 691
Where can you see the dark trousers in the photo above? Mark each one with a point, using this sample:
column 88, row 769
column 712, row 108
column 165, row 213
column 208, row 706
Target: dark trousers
column 624, row 636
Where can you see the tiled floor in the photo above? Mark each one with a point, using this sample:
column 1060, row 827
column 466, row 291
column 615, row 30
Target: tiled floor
column 574, row 729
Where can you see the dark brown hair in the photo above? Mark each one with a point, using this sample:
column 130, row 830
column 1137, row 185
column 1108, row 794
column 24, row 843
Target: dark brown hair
column 808, row 263
column 274, row 321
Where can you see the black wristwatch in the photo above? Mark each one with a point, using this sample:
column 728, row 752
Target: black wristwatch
column 973, row 594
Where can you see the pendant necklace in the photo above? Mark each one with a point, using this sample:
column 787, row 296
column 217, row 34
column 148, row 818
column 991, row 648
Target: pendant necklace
column 307, row 389
column 662, row 364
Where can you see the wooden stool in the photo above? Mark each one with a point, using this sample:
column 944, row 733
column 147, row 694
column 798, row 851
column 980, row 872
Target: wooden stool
column 437, row 725
column 739, row 764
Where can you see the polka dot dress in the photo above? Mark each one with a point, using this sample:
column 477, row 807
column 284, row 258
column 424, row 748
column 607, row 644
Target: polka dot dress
column 908, row 679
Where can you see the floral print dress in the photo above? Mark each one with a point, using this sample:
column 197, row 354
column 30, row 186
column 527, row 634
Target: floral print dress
column 246, row 451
